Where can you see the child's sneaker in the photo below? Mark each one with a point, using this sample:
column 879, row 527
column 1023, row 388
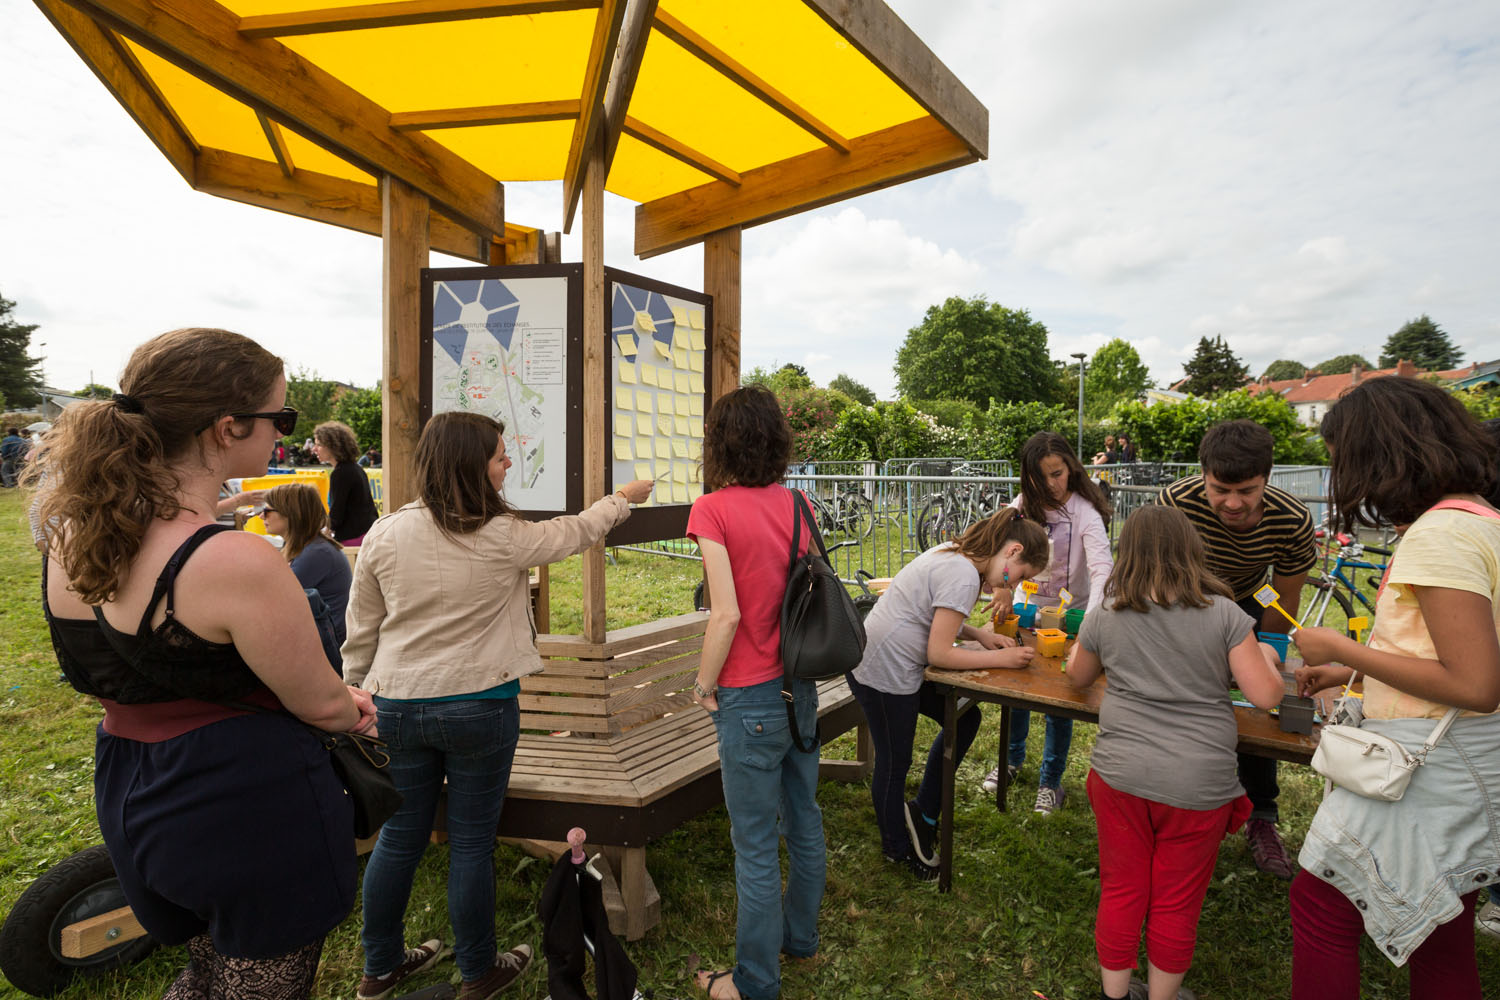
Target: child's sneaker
column 419, row 959
column 1487, row 920
column 919, row 870
column 923, row 835
column 991, row 782
column 1140, row 991
column 1048, row 799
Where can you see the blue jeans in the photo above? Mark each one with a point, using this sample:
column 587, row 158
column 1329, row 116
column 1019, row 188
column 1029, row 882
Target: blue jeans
column 472, row 743
column 766, row 778
column 1054, row 747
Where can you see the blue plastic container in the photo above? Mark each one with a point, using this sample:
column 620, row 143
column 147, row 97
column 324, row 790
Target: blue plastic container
column 1028, row 615
column 1279, row 641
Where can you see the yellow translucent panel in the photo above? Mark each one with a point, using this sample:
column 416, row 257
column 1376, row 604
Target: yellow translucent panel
column 307, row 155
column 680, row 95
column 534, row 151
column 642, row 173
column 788, row 45
column 212, row 118
column 459, row 64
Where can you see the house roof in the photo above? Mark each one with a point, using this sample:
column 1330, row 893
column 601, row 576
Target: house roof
column 1328, row 388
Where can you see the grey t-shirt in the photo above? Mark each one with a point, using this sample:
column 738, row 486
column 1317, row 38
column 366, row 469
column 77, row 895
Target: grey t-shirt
column 896, row 631
column 1166, row 726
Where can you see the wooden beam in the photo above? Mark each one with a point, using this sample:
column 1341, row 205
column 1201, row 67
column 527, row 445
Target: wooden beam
column 591, row 103
column 403, row 255
column 387, row 15
column 880, row 159
column 875, row 30
column 747, row 79
column 638, row 129
column 100, row 933
column 203, row 38
column 122, row 75
column 721, row 279
column 634, row 33
column 494, row 114
column 311, row 195
column 278, row 144
column 595, row 405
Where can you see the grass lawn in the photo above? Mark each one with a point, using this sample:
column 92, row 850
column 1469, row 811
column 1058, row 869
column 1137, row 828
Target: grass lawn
column 1020, row 918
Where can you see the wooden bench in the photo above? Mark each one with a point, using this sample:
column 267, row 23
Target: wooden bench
column 612, row 742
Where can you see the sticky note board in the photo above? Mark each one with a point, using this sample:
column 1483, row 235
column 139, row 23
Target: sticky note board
column 624, row 399
column 695, row 382
column 662, row 349
column 696, row 361
column 695, row 318
column 698, row 340
column 623, row 424
column 643, row 424
column 648, row 373
column 680, row 315
column 680, row 357
column 682, row 382
column 644, row 322
column 627, row 372
column 622, row 450
column 627, row 344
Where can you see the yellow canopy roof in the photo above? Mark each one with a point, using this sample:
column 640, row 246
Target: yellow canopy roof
column 712, row 113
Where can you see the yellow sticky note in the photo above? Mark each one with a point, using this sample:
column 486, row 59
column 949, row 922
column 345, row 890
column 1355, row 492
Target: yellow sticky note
column 683, row 382
column 697, row 340
column 643, row 450
column 695, row 405
column 693, row 473
column 648, row 373
column 679, row 448
column 695, row 490
column 695, row 449
column 680, row 358
column 695, row 318
column 622, row 450
column 680, row 425
column 643, row 470
column 663, row 470
column 680, row 472
column 663, row 448
column 627, row 372
column 623, row 424
column 642, row 424
column 679, row 493
column 695, row 427
column 695, row 382
column 696, row 361
column 644, row 322
column 627, row 344
column 680, row 337
column 662, row 349
column 680, row 315
column 664, row 424
column 683, row 404
column 643, row 402
column 624, row 399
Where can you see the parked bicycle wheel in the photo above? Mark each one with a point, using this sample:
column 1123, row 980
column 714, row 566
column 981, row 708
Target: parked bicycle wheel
column 857, row 515
column 929, row 521
column 1329, row 592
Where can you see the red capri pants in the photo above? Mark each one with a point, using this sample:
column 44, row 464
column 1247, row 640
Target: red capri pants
column 1155, row 863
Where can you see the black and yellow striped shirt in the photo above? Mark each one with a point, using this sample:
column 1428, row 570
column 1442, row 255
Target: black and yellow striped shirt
column 1281, row 541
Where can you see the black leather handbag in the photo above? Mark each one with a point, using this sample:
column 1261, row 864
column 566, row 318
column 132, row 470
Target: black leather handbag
column 360, row 762
column 822, row 635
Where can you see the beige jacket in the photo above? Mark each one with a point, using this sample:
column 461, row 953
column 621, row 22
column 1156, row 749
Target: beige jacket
column 431, row 616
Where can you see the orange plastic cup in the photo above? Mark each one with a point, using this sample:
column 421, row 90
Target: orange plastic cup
column 1051, row 641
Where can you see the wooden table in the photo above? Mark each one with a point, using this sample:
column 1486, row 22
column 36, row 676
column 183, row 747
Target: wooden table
column 1043, row 687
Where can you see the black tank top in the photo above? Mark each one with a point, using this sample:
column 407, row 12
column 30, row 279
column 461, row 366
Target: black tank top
column 167, row 663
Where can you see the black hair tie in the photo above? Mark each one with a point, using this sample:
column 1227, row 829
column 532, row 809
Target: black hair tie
column 128, row 404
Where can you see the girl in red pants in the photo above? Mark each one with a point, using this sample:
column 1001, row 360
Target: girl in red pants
column 1163, row 781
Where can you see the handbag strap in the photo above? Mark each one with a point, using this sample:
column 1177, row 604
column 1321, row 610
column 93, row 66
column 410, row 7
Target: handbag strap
column 815, row 546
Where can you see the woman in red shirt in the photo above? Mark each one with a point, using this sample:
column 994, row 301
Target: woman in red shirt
column 744, row 530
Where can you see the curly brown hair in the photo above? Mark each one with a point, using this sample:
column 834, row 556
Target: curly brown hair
column 338, row 438
column 746, row 439
column 109, row 465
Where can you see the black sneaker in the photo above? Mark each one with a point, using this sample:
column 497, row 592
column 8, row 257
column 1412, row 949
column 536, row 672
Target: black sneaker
column 921, row 872
column 923, row 835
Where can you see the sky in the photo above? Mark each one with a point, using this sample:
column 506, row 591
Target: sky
column 1299, row 178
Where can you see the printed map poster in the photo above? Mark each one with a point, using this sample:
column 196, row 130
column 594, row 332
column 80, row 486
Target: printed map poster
column 506, row 342
column 656, row 384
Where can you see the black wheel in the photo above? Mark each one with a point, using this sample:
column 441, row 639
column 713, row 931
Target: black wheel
column 1336, row 591
column 74, row 889
column 858, row 515
column 928, row 523
column 698, row 597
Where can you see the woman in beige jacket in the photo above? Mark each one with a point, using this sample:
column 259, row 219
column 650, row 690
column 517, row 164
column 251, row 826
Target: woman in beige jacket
column 440, row 632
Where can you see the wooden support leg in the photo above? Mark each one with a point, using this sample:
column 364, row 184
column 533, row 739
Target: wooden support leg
column 639, row 900
column 857, row 769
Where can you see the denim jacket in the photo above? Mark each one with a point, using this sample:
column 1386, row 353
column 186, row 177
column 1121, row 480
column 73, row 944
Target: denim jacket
column 1405, row 864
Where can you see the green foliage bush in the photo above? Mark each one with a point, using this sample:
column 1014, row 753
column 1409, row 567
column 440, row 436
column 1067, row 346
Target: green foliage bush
column 1171, row 431
column 362, row 410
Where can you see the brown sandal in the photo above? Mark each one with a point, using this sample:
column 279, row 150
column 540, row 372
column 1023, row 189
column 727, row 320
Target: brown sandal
column 707, row 985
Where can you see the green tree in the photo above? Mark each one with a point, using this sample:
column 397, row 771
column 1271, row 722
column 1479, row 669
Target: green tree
column 95, row 391
column 362, row 409
column 999, row 432
column 1281, row 369
column 947, row 412
column 785, row 378
column 313, row 399
column 1115, row 373
column 856, row 391
column 1424, row 344
column 1342, row 364
column 1172, row 431
column 20, row 373
column 1213, row 368
column 976, row 350
column 1484, row 404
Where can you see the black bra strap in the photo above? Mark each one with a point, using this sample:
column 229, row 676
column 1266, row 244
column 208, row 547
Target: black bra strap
column 168, row 577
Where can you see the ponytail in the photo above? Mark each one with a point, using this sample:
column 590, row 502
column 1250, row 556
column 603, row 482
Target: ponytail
column 982, row 540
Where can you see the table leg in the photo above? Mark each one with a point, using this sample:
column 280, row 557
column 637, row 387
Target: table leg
column 1002, row 784
column 945, row 831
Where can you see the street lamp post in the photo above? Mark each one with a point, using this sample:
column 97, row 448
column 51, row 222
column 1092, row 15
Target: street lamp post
column 1081, row 366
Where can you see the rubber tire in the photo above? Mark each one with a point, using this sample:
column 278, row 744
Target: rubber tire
column 929, row 523
column 30, row 942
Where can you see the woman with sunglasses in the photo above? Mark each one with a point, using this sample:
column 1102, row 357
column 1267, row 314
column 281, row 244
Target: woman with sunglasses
column 228, row 828
column 295, row 512
column 440, row 632
column 351, row 508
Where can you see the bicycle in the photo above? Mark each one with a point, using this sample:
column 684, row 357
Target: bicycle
column 1339, row 584
column 950, row 512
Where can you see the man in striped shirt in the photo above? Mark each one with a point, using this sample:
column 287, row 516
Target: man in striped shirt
column 1248, row 528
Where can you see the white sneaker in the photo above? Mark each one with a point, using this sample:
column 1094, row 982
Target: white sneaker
column 1487, row 920
column 991, row 782
column 1048, row 799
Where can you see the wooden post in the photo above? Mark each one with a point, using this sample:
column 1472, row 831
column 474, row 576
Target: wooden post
column 721, row 279
column 594, row 403
column 404, row 242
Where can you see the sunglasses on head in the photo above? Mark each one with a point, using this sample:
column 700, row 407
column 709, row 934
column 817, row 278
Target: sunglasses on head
column 284, row 419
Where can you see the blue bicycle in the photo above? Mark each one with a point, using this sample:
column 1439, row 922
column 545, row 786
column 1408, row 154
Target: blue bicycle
column 1340, row 585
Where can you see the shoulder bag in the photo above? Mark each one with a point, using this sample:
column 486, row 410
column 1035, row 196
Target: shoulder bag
column 822, row 635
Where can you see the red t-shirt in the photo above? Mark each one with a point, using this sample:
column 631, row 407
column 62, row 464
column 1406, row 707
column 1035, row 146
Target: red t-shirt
column 754, row 524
